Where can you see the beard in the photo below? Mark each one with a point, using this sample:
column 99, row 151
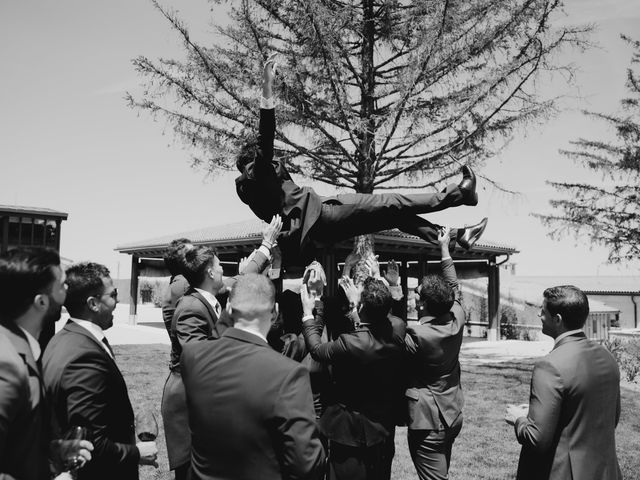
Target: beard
column 53, row 313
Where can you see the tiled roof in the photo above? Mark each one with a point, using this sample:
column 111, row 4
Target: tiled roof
column 17, row 210
column 251, row 230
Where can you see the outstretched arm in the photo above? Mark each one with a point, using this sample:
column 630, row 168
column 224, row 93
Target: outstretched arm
column 446, row 263
column 263, row 164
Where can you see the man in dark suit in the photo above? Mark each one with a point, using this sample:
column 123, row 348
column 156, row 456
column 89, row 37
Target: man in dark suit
column 199, row 316
column 84, row 383
column 567, row 432
column 250, row 408
column 178, row 285
column 32, row 291
column 266, row 187
column 434, row 397
column 367, row 364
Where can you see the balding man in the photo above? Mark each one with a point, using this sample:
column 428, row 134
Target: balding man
column 250, row 409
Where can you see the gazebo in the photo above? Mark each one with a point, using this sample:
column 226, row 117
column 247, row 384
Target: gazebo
column 416, row 258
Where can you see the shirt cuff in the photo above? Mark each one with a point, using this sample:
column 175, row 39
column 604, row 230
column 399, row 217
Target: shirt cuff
column 306, row 318
column 396, row 292
column 443, row 259
column 266, row 251
column 267, row 103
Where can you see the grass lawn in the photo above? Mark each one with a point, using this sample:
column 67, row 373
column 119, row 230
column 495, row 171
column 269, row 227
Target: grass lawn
column 485, row 449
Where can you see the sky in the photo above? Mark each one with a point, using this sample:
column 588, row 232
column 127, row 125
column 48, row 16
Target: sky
column 68, row 140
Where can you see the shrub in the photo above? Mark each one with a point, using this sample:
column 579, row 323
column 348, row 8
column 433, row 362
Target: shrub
column 508, row 323
column 630, row 359
column 152, row 290
column 615, row 347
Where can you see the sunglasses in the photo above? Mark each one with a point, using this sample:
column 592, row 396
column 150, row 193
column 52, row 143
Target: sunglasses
column 113, row 294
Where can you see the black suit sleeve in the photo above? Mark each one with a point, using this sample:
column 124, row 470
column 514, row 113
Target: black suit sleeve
column 301, row 454
column 263, row 164
column 13, row 394
column 322, row 352
column 85, row 382
column 538, row 428
column 192, row 325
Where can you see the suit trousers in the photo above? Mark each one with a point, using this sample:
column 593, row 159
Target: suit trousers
column 431, row 450
column 361, row 463
column 176, row 421
column 349, row 215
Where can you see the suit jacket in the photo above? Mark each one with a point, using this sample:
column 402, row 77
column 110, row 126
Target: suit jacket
column 86, row 388
column 367, row 382
column 250, row 411
column 266, row 187
column 194, row 318
column 434, row 396
column 574, row 409
column 23, row 430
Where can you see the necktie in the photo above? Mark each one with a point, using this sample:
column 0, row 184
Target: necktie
column 106, row 342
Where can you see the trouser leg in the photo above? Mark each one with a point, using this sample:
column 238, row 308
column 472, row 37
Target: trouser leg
column 182, row 472
column 358, row 214
column 361, row 463
column 431, row 450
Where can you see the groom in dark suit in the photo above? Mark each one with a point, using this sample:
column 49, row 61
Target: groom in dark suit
column 84, row 383
column 267, row 188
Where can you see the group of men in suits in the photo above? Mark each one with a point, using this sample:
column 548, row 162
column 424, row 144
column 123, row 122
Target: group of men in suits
column 74, row 383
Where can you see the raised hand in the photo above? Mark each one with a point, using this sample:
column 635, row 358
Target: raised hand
column 268, row 74
column 444, row 237
column 392, row 273
column 351, row 291
column 372, row 264
column 308, row 300
column 271, row 231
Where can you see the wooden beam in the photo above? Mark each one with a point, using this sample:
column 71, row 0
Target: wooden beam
column 493, row 293
column 5, row 234
column 133, row 290
column 404, row 275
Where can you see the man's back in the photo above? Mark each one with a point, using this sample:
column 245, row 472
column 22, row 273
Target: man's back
column 575, row 406
column 250, row 411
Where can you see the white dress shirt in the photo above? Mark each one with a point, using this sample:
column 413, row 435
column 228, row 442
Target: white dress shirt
column 94, row 330
column 211, row 298
column 566, row 334
column 34, row 345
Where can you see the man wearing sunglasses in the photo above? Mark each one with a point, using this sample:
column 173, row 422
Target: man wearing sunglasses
column 84, row 382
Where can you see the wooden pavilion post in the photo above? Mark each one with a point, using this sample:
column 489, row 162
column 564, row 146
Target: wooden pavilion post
column 493, row 292
column 133, row 290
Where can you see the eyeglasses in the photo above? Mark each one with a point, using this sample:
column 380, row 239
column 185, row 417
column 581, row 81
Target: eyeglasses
column 113, row 294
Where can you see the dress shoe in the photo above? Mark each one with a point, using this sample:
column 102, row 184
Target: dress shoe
column 470, row 235
column 468, row 187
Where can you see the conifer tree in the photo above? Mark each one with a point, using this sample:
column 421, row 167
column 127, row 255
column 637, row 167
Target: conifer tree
column 607, row 212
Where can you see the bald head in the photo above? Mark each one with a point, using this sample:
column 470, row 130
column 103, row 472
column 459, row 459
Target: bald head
column 252, row 299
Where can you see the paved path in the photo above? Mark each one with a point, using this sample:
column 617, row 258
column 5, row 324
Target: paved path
column 150, row 330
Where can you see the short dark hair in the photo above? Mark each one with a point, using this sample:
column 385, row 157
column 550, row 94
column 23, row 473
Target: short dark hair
column 375, row 299
column 570, row 302
column 252, row 294
column 247, row 153
column 376, row 303
column 196, row 260
column 24, row 273
column 84, row 280
column 173, row 257
column 436, row 294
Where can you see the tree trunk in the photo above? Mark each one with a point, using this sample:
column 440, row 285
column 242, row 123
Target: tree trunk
column 362, row 246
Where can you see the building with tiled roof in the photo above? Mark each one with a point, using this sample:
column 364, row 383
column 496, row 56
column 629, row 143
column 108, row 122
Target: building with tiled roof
column 236, row 240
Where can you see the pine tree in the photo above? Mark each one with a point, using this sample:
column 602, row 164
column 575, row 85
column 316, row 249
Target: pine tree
column 373, row 94
column 608, row 213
